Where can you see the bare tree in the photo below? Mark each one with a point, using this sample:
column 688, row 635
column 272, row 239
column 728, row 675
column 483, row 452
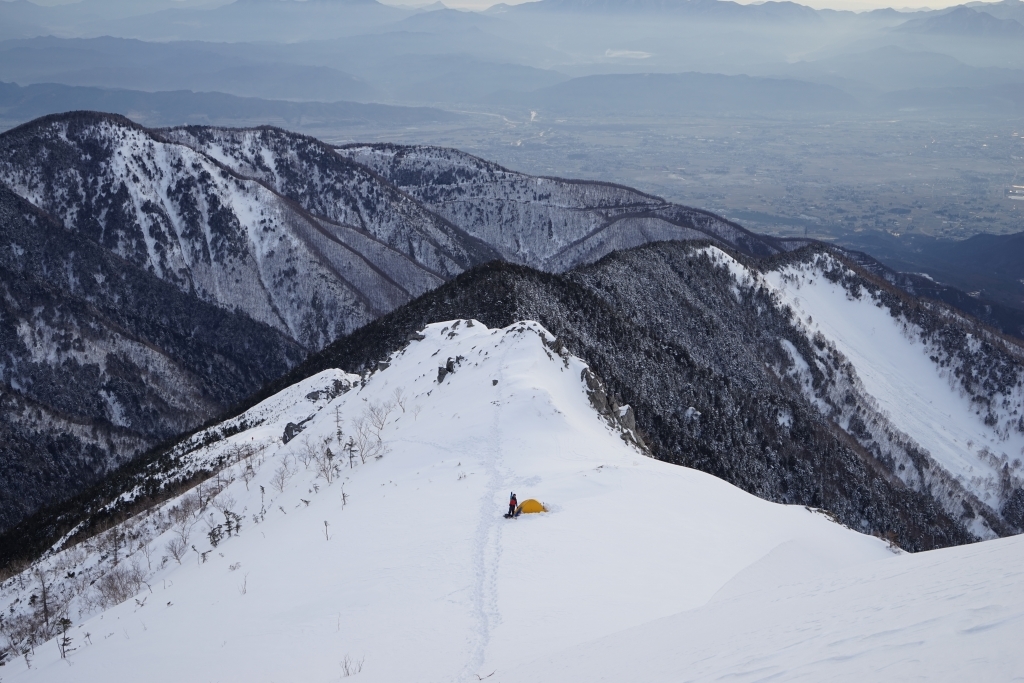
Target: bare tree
column 327, row 465
column 350, row 666
column 120, row 583
column 399, row 398
column 363, row 440
column 281, row 477
column 247, row 473
column 111, row 542
column 249, row 459
column 186, row 514
column 177, row 548
column 307, row 451
column 224, row 502
column 147, row 551
column 378, row 413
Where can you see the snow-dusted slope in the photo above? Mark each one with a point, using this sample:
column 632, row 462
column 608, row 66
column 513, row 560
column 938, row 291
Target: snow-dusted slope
column 403, row 564
column 547, row 223
column 308, row 239
column 936, row 399
column 239, row 237
column 100, row 360
column 396, row 232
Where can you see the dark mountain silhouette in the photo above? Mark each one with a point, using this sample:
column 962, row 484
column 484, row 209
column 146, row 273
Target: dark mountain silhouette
column 19, row 104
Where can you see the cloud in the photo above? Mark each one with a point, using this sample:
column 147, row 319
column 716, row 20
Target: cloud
column 627, row 54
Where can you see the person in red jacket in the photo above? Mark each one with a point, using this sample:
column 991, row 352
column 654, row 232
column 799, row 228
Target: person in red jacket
column 512, row 504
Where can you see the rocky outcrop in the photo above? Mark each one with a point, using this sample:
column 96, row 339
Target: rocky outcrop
column 620, row 417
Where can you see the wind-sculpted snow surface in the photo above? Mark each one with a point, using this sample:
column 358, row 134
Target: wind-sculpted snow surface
column 546, row 223
column 373, row 540
column 936, row 399
column 943, row 615
column 229, row 238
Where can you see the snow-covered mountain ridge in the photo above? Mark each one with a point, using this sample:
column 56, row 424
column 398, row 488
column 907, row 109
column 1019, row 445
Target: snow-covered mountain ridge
column 923, row 396
column 368, row 548
column 275, row 227
column 372, row 543
column 713, row 367
column 547, row 223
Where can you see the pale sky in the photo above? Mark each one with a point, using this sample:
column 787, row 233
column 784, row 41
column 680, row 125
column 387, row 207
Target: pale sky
column 854, row 5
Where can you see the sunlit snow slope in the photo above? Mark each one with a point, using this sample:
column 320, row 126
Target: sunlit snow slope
column 939, row 404
column 404, row 566
column 897, row 368
column 945, row 615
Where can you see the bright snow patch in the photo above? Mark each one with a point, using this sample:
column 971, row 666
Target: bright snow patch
column 970, row 455
column 922, row 400
column 945, row 615
column 411, row 572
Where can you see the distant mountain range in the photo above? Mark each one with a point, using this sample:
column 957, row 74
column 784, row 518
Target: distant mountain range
column 365, row 50
column 19, row 104
column 709, row 10
column 285, row 20
column 966, row 22
column 149, row 66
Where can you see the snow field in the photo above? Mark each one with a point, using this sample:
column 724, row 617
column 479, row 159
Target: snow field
column 418, row 576
column 911, row 392
column 946, row 615
column 895, row 368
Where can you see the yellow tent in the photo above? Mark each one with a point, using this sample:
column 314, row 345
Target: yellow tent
column 531, row 505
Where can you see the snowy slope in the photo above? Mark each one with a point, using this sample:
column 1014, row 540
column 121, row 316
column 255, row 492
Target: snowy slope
column 940, row 406
column 548, row 223
column 404, row 239
column 945, row 615
column 230, row 237
column 893, row 363
column 415, row 573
